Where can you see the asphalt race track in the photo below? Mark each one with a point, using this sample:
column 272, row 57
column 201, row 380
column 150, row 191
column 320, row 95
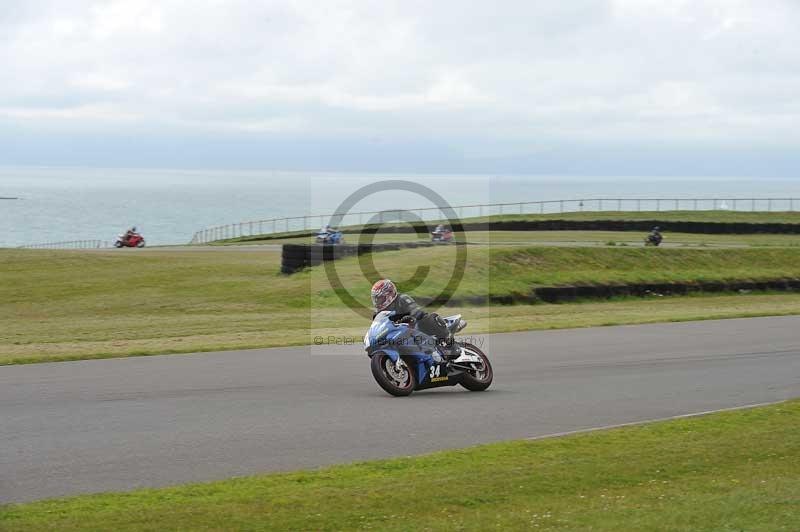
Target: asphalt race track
column 101, row 425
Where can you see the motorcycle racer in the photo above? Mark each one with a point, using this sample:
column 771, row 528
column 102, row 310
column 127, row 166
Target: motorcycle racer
column 386, row 298
column 655, row 236
column 129, row 233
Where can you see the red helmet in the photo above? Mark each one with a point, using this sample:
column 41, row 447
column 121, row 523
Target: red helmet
column 384, row 292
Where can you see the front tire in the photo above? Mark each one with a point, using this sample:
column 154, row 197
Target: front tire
column 140, row 244
column 399, row 384
column 481, row 378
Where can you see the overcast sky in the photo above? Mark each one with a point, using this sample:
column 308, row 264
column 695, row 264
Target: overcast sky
column 694, row 87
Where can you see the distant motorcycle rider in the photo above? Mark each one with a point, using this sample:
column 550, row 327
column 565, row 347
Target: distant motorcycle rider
column 129, row 233
column 655, row 235
column 406, row 310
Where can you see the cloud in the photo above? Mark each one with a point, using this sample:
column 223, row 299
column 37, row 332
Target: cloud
column 473, row 76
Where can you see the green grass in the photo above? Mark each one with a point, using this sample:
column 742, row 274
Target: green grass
column 666, row 216
column 730, row 471
column 61, row 305
column 515, row 270
column 632, row 238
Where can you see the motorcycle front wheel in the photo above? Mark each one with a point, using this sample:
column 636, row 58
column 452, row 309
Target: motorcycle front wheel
column 140, row 244
column 397, row 380
column 482, row 375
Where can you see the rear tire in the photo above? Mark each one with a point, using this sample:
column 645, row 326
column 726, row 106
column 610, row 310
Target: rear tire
column 480, row 380
column 399, row 385
column 118, row 244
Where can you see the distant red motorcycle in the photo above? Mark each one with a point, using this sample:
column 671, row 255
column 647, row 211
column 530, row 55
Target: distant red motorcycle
column 442, row 234
column 134, row 241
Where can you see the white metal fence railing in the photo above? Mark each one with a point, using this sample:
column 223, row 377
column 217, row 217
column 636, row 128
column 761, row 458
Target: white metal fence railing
column 72, row 244
column 308, row 222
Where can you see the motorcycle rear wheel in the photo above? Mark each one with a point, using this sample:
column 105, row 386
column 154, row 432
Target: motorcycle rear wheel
column 477, row 381
column 398, row 384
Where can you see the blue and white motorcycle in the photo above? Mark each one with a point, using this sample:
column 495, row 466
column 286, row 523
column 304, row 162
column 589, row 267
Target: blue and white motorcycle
column 330, row 237
column 404, row 359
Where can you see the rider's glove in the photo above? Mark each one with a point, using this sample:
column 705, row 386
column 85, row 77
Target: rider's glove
column 410, row 320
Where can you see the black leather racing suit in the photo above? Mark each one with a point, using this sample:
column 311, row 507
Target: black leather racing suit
column 427, row 322
column 655, row 236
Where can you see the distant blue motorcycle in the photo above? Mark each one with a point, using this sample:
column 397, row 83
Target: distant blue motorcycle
column 404, row 359
column 330, row 237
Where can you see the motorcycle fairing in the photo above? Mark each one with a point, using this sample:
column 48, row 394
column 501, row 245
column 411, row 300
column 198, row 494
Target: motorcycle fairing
column 385, row 336
column 391, row 353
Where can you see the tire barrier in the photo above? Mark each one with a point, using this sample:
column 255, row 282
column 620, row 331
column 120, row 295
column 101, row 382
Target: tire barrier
column 557, row 294
column 295, row 257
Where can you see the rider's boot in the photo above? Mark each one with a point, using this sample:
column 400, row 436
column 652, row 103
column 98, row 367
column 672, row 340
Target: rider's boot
column 451, row 349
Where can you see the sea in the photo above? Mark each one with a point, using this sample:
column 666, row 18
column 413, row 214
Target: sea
column 169, row 206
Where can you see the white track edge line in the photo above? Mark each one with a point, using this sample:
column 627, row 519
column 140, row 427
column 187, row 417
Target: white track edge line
column 654, row 420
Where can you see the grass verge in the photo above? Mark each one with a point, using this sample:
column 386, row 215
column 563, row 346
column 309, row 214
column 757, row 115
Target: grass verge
column 736, row 470
column 73, row 305
column 628, row 238
column 663, row 217
column 72, row 339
